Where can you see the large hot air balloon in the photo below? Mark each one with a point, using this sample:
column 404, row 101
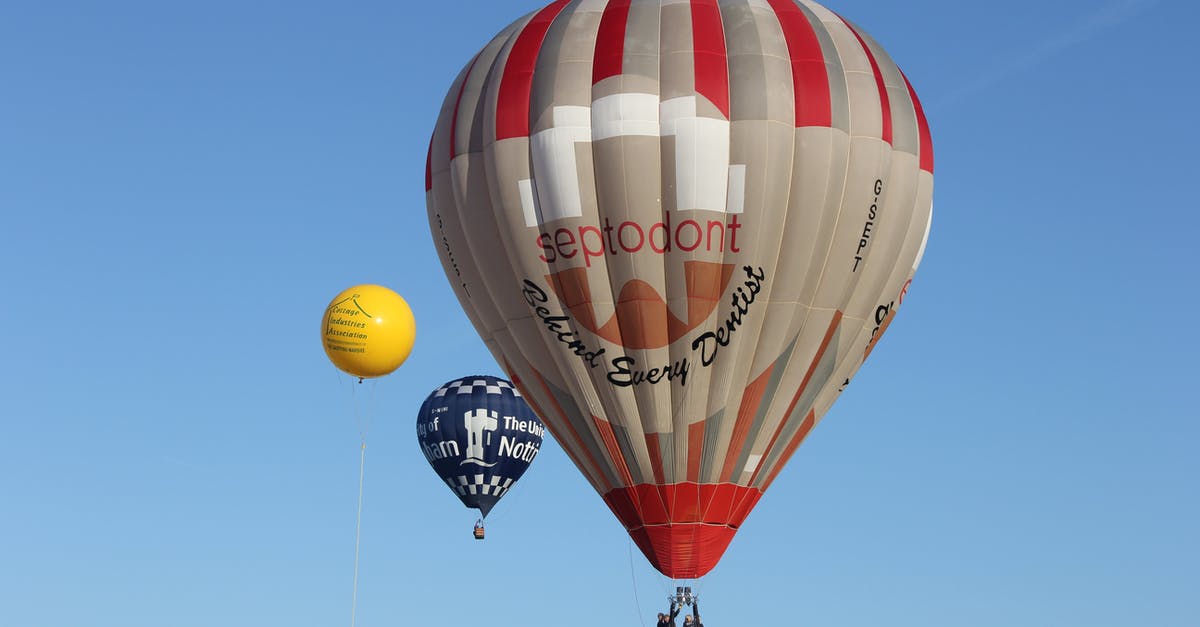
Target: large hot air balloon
column 681, row 226
column 480, row 436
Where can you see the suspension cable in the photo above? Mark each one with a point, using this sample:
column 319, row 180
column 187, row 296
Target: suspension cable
column 363, row 423
column 633, row 577
column 362, row 459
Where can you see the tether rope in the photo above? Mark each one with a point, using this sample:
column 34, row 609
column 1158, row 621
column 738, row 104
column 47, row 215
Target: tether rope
column 363, row 423
column 362, row 459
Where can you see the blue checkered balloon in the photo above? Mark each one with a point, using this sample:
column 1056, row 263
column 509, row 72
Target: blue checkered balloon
column 480, row 436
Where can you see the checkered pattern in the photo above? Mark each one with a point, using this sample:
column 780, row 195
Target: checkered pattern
column 466, row 386
column 495, row 485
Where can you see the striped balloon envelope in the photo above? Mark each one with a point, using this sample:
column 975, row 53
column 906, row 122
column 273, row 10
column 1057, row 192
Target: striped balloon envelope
column 681, row 226
column 479, row 436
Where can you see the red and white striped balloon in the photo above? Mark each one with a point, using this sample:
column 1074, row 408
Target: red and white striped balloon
column 681, row 226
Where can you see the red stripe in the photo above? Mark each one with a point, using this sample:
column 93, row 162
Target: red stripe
column 429, row 166
column 614, row 450
column 719, row 503
column 512, row 376
column 887, row 321
column 923, row 127
column 802, row 433
column 512, row 107
column 712, row 69
column 610, row 41
column 810, row 79
column 683, row 501
column 655, row 457
column 621, row 502
column 695, row 450
column 751, row 400
column 778, row 432
column 884, row 102
column 743, row 504
column 566, row 424
column 812, row 368
column 652, row 505
column 688, row 545
column 457, row 103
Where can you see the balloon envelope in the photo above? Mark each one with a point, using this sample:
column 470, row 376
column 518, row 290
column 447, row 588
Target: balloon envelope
column 479, row 436
column 368, row 331
column 681, row 227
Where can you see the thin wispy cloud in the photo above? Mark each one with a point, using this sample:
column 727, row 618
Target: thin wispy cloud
column 1088, row 27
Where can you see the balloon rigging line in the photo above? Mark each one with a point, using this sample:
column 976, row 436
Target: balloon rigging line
column 362, row 415
column 363, row 422
column 633, row 577
column 362, row 459
column 666, row 584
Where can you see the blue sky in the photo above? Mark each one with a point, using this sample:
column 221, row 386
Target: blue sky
column 183, row 187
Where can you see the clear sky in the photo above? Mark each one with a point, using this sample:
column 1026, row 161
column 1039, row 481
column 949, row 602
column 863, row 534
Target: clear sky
column 184, row 186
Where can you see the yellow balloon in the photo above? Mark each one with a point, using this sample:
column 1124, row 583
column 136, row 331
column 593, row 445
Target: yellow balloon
column 368, row 331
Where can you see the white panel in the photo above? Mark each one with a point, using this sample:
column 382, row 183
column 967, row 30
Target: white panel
column 573, row 115
column 624, row 114
column 737, row 189
column 823, row 14
column 701, row 163
column 675, row 109
column 556, row 174
column 752, row 463
column 528, row 202
column 458, row 169
column 924, row 240
column 702, row 171
column 850, row 50
column 556, row 171
column 591, row 5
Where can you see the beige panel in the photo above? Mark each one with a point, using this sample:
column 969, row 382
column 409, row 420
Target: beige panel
column 822, row 160
column 886, row 234
column 803, row 360
column 869, row 161
column 676, row 61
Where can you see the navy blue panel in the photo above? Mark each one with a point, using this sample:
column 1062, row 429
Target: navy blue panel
column 480, row 436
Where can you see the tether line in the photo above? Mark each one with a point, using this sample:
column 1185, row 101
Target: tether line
column 362, row 459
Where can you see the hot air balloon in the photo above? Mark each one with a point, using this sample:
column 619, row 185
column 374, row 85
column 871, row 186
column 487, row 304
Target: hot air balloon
column 479, row 436
column 680, row 227
column 368, row 331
